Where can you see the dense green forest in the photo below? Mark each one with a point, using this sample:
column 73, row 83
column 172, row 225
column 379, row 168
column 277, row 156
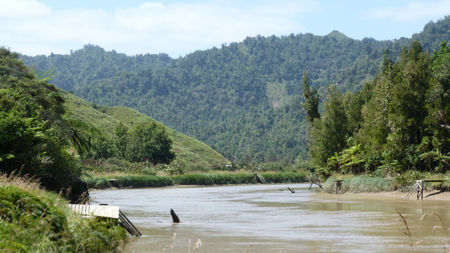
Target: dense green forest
column 243, row 99
column 399, row 121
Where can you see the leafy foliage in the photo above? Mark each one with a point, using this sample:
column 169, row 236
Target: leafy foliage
column 31, row 128
column 147, row 141
column 402, row 121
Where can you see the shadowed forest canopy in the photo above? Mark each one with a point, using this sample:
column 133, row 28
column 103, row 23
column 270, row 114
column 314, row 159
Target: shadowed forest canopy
column 243, row 99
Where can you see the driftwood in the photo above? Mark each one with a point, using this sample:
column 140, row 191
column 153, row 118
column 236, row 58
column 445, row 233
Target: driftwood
column 175, row 218
column 292, row 190
column 314, row 180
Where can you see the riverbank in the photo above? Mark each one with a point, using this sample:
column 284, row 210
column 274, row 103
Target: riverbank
column 429, row 195
column 359, row 185
column 230, row 178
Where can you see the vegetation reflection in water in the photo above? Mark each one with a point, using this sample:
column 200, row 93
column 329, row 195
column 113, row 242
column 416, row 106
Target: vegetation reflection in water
column 272, row 219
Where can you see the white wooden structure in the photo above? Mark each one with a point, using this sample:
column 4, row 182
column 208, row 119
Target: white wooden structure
column 105, row 211
column 97, row 210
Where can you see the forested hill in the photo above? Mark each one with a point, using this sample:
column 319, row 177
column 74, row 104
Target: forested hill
column 243, row 99
column 90, row 64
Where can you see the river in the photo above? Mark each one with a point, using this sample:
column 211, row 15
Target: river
column 269, row 218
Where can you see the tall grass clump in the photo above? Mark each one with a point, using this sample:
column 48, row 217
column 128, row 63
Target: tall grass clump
column 358, row 184
column 144, row 181
column 32, row 219
column 216, row 178
column 369, row 184
column 330, row 186
column 211, row 179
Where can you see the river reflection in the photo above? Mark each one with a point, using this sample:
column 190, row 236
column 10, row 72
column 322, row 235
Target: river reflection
column 269, row 218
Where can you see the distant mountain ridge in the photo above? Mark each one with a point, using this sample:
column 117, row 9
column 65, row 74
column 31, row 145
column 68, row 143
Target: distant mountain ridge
column 244, row 98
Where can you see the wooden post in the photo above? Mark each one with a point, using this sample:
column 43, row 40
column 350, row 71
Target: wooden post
column 292, row 190
column 175, row 218
column 418, row 189
column 421, row 191
column 338, row 184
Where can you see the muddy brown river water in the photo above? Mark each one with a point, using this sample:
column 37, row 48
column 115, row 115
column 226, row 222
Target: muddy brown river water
column 262, row 218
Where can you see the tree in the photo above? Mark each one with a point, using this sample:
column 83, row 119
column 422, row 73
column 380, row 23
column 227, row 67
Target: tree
column 407, row 109
column 329, row 134
column 149, row 141
column 311, row 104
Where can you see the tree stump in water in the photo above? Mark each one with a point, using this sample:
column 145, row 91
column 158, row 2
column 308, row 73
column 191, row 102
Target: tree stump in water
column 175, row 218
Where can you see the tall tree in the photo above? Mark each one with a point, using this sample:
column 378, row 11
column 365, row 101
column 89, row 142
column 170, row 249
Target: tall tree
column 329, row 134
column 311, row 104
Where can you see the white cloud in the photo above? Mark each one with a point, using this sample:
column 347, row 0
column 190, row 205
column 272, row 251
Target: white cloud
column 409, row 12
column 22, row 8
column 152, row 27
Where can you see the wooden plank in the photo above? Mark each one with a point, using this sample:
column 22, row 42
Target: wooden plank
column 131, row 228
column 97, row 210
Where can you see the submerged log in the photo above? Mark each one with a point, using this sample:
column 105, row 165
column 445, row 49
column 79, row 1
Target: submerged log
column 175, row 218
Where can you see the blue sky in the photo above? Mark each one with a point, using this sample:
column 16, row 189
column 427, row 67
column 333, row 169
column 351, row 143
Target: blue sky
column 178, row 27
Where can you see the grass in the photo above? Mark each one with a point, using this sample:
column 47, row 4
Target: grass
column 217, row 178
column 146, row 174
column 187, row 149
column 407, row 231
column 358, row 184
column 430, row 213
column 32, row 219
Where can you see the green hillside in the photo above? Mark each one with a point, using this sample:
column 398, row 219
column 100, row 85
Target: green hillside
column 105, row 118
column 243, row 99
